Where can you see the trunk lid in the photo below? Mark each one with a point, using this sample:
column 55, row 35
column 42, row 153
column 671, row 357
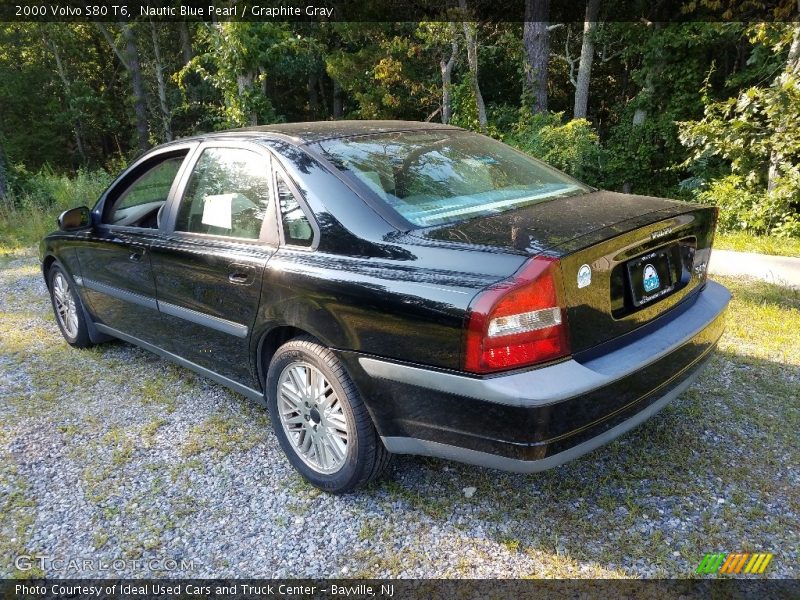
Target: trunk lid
column 605, row 242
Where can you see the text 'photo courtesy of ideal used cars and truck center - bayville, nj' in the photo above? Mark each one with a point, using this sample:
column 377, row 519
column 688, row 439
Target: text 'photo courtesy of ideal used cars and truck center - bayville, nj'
column 403, row 300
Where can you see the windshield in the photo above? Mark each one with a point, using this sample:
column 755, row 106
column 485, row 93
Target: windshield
column 436, row 177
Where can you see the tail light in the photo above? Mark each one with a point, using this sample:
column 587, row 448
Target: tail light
column 518, row 322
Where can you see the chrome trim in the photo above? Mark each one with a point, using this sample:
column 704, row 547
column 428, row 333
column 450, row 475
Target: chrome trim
column 120, row 294
column 407, row 445
column 209, row 321
column 216, row 323
column 221, row 379
column 567, row 379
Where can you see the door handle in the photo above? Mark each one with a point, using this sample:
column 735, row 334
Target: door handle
column 240, row 274
column 239, row 278
column 137, row 252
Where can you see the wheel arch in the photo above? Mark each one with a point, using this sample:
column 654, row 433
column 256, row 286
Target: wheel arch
column 47, row 264
column 268, row 344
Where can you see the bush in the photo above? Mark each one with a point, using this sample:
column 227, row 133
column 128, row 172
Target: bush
column 750, row 209
column 30, row 210
column 572, row 147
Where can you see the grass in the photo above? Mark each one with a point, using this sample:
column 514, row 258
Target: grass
column 27, row 215
column 762, row 244
column 225, row 434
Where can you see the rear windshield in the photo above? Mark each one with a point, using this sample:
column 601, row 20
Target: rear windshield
column 436, row 177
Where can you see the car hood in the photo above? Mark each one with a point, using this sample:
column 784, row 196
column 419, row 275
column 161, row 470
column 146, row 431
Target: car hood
column 562, row 224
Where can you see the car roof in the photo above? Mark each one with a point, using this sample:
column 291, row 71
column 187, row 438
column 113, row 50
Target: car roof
column 316, row 131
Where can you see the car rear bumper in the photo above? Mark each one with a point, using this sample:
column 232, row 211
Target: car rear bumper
column 535, row 420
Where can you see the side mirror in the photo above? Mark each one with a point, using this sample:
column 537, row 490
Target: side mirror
column 74, row 219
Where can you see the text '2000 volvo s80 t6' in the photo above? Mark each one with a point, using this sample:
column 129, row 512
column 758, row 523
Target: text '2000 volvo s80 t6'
column 396, row 287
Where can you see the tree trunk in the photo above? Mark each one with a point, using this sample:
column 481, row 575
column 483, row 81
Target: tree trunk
column 536, row 39
column 337, row 100
column 323, row 94
column 244, row 82
column 639, row 117
column 313, row 96
column 587, row 57
column 471, row 40
column 77, row 125
column 166, row 113
column 792, row 69
column 139, row 102
column 186, row 42
column 446, row 69
column 3, row 175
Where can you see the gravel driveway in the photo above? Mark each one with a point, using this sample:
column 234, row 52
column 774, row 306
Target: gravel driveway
column 113, row 453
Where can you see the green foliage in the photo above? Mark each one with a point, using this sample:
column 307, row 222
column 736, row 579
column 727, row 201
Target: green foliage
column 700, row 110
column 573, row 147
column 383, row 71
column 756, row 136
column 30, row 210
column 236, row 60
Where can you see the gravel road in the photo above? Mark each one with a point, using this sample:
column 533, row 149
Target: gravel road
column 116, row 455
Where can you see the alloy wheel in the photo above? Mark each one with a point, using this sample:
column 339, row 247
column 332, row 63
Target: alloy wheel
column 313, row 418
column 66, row 308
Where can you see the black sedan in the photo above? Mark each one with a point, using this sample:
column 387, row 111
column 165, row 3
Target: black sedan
column 396, row 287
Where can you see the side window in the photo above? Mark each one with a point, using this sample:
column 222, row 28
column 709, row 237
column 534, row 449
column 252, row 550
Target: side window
column 138, row 204
column 228, row 194
column 296, row 228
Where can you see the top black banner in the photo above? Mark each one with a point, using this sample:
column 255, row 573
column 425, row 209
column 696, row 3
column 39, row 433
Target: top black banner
column 559, row 11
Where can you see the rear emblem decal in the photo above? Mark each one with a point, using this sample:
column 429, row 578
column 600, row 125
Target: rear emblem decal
column 651, row 280
column 584, row 276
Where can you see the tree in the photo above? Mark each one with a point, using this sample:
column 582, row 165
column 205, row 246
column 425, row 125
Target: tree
column 186, row 41
column 234, row 58
column 786, row 85
column 129, row 57
column 587, row 57
column 536, row 39
column 757, row 136
column 3, row 175
column 443, row 39
column 62, row 73
column 158, row 66
column 471, row 40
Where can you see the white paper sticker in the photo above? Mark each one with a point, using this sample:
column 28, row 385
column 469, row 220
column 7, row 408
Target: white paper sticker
column 217, row 210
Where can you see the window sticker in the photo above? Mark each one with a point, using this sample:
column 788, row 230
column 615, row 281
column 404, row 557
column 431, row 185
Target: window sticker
column 217, row 210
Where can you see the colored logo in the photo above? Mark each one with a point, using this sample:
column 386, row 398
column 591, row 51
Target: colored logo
column 734, row 564
column 584, row 276
column 651, row 280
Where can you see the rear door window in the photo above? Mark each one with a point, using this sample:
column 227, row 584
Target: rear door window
column 228, row 194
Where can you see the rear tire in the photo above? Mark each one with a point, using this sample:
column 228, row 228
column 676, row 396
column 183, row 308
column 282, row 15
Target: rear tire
column 68, row 308
column 321, row 423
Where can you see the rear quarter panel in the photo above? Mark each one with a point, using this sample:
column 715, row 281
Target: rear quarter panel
column 405, row 310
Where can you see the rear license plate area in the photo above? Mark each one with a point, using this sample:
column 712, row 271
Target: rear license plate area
column 650, row 276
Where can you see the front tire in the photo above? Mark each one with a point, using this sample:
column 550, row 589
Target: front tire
column 319, row 418
column 68, row 309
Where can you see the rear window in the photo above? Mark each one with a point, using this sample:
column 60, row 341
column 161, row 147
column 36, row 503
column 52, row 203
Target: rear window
column 436, row 177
